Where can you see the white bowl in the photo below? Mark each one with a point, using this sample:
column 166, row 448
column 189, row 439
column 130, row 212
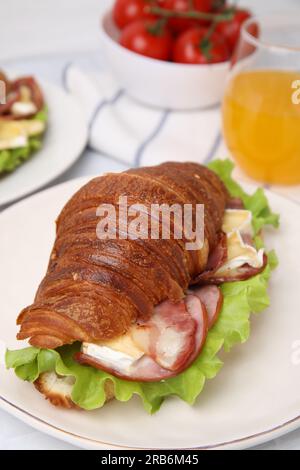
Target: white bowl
column 158, row 83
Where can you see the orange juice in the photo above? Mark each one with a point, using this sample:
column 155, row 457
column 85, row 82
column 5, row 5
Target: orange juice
column 261, row 124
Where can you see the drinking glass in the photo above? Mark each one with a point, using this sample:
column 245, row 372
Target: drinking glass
column 261, row 105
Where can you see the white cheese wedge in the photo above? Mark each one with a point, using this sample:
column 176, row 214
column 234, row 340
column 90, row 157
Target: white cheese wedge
column 240, row 253
column 237, row 219
column 119, row 354
column 14, row 143
column 23, row 108
column 12, row 135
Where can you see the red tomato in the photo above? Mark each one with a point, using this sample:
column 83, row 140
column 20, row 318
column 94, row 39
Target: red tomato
column 181, row 24
column 149, row 38
column 196, row 47
column 231, row 29
column 126, row 11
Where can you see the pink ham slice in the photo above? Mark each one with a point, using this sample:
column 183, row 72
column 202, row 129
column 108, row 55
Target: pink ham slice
column 172, row 340
column 219, row 255
column 33, row 86
column 15, row 95
column 235, row 203
column 197, row 310
column 215, row 260
column 212, row 298
column 169, row 337
column 144, row 370
column 239, row 274
column 11, row 99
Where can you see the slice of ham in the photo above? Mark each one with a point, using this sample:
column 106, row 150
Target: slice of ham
column 169, row 337
column 239, row 274
column 35, row 90
column 215, row 259
column 214, row 274
column 144, row 370
column 197, row 310
column 212, row 298
column 12, row 98
column 175, row 338
column 235, row 203
column 219, row 255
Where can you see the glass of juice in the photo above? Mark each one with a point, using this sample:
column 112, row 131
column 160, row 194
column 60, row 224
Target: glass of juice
column 261, row 105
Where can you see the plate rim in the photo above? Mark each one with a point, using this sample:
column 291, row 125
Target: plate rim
column 45, row 84
column 90, row 443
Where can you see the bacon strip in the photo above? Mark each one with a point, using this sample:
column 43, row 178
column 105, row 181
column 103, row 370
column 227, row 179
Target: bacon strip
column 11, row 99
column 235, row 203
column 14, row 95
column 169, row 336
column 239, row 274
column 219, row 255
column 177, row 356
column 212, row 298
column 36, row 92
column 215, row 260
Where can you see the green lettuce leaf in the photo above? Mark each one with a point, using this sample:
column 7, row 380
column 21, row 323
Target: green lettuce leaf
column 12, row 158
column 233, row 326
column 257, row 203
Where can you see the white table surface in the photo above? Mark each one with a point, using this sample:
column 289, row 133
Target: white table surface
column 40, row 37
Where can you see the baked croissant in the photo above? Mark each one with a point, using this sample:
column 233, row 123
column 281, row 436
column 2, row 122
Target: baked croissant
column 95, row 290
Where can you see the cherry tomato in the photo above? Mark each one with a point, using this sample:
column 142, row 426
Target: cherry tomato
column 231, row 29
column 198, row 46
column 148, row 37
column 126, row 11
column 181, row 24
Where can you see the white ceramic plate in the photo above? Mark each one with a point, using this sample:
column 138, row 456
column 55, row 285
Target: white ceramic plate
column 63, row 143
column 254, row 398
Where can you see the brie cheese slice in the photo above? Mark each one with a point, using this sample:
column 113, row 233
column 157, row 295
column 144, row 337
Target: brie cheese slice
column 119, row 354
column 23, row 108
column 237, row 219
column 240, row 253
column 12, row 135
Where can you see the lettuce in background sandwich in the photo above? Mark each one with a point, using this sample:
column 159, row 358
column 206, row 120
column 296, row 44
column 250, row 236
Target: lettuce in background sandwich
column 23, row 120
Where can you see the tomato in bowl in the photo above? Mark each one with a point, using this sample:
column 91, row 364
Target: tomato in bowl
column 164, row 63
column 160, row 83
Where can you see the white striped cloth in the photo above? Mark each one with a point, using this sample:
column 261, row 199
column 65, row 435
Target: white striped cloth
column 139, row 135
column 127, row 131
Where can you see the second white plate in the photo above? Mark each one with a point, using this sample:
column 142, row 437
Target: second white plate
column 64, row 141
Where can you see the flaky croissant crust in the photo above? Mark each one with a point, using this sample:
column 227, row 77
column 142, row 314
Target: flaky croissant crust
column 96, row 289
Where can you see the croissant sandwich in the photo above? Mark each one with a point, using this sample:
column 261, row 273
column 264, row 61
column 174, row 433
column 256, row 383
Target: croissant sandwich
column 122, row 312
column 23, row 121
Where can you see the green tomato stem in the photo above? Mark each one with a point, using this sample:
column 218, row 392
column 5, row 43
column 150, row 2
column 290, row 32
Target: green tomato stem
column 191, row 14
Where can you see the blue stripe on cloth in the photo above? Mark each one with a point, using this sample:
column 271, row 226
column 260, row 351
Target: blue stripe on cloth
column 102, row 105
column 151, row 137
column 213, row 148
